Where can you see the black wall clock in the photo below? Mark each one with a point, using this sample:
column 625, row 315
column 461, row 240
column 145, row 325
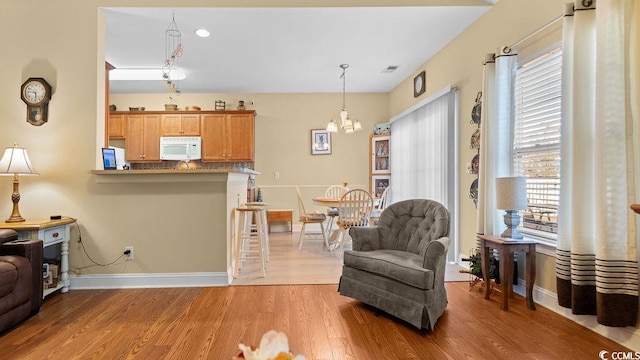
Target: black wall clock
column 419, row 84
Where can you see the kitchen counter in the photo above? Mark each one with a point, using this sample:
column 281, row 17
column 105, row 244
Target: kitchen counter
column 169, row 175
column 174, row 171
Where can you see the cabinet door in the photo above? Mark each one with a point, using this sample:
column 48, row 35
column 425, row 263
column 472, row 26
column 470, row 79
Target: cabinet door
column 151, row 137
column 240, row 142
column 134, row 145
column 171, row 125
column 190, row 125
column 116, row 127
column 214, row 134
column 380, row 156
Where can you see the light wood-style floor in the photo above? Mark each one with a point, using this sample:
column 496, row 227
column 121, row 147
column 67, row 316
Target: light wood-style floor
column 313, row 264
column 209, row 323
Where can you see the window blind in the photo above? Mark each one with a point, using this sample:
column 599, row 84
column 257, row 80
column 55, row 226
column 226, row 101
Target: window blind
column 536, row 145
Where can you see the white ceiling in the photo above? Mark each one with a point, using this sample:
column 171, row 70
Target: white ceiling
column 283, row 50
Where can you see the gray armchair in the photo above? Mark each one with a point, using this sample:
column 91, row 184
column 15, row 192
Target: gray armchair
column 398, row 266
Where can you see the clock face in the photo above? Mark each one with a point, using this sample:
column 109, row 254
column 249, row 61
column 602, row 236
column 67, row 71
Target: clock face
column 418, row 84
column 34, row 92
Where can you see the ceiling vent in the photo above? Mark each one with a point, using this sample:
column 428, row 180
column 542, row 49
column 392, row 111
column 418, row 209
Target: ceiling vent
column 390, row 69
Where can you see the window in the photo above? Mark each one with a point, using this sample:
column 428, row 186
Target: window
column 536, row 145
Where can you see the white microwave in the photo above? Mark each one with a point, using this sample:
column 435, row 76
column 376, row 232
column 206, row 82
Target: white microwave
column 180, row 148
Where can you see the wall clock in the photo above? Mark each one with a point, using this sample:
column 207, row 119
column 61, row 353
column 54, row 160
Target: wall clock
column 36, row 93
column 419, row 84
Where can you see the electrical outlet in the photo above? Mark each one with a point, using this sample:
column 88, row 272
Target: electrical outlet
column 276, row 175
column 130, row 255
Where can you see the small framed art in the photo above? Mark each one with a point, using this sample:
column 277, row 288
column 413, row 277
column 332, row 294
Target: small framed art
column 320, row 142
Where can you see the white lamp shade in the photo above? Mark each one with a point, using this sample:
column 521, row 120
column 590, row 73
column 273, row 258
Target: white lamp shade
column 511, row 193
column 16, row 161
column 357, row 126
column 331, row 127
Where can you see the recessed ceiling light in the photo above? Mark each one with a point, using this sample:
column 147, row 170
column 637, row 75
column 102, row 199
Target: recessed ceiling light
column 202, row 33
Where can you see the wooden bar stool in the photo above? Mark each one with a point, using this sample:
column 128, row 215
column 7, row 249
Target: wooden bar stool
column 245, row 239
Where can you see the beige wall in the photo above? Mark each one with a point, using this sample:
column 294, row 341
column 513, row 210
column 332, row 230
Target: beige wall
column 64, row 150
column 459, row 64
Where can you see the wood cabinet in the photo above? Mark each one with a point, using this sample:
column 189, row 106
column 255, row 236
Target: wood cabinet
column 143, row 137
column 228, row 137
column 379, row 164
column 180, row 125
column 117, row 127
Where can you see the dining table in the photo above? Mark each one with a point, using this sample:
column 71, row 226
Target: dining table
column 332, row 203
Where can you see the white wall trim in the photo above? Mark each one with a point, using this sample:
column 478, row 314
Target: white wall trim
column 155, row 280
column 627, row 336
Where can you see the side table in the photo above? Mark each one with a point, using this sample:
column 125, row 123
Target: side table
column 507, row 249
column 51, row 232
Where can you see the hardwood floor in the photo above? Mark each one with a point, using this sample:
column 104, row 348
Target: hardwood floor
column 313, row 264
column 209, row 323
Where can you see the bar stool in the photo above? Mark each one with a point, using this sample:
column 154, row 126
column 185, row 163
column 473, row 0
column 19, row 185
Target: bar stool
column 245, row 237
column 265, row 225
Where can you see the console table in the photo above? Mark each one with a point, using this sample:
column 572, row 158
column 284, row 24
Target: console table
column 507, row 247
column 51, row 232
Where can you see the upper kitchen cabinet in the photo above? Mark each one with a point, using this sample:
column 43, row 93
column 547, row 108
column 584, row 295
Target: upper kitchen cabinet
column 116, row 126
column 228, row 136
column 180, row 125
column 143, row 138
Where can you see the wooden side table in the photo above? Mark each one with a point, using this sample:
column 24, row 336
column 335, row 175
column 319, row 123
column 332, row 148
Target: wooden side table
column 280, row 215
column 507, row 249
column 51, row 232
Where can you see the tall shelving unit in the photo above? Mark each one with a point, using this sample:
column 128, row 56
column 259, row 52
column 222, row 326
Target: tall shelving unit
column 379, row 164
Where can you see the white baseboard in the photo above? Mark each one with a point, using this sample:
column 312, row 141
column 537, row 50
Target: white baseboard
column 162, row 280
column 628, row 336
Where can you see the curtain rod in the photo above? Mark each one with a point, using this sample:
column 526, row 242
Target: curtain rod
column 536, row 32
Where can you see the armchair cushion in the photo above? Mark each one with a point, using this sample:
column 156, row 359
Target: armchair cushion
column 399, row 266
column 393, row 264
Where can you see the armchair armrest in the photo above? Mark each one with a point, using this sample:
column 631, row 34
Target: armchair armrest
column 435, row 258
column 32, row 250
column 365, row 238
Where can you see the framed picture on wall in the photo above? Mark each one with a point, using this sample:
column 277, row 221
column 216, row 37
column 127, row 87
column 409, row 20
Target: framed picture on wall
column 320, row 142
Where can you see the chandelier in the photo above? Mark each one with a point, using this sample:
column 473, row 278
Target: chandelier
column 344, row 121
column 173, row 50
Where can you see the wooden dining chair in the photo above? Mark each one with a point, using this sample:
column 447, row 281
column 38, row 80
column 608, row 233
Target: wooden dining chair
column 383, row 202
column 354, row 210
column 309, row 218
column 334, row 191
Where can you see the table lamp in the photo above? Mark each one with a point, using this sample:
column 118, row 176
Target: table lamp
column 15, row 161
column 511, row 196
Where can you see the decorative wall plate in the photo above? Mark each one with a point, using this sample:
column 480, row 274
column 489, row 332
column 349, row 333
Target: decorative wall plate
column 475, row 140
column 473, row 192
column 475, row 164
column 477, row 109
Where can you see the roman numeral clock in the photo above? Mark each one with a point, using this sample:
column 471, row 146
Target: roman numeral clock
column 36, row 93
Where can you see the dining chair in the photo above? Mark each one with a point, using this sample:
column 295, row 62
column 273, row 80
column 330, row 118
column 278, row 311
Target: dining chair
column 309, row 218
column 334, row 191
column 383, row 202
column 354, row 210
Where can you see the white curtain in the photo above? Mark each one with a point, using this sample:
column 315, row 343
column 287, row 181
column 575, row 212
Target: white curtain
column 496, row 134
column 421, row 146
column 597, row 265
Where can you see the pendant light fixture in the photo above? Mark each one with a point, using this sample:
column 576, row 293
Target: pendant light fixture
column 173, row 50
column 344, row 121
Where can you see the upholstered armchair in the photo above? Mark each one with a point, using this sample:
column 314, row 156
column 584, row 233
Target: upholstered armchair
column 20, row 278
column 398, row 266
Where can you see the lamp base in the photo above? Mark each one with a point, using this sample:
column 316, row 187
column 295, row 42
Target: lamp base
column 512, row 220
column 15, row 219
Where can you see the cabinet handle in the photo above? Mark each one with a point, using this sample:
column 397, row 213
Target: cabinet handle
column 55, row 235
